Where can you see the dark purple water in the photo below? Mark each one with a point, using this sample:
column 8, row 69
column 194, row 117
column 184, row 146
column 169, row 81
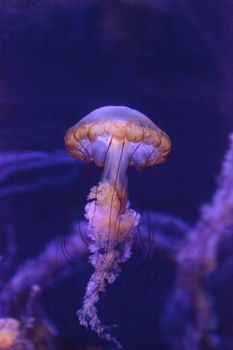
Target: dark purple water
column 59, row 60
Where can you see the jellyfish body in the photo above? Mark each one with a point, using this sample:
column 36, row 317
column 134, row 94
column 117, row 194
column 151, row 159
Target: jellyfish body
column 9, row 332
column 113, row 137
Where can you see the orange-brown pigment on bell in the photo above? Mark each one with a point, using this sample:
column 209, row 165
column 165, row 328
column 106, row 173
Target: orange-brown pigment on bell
column 113, row 137
column 119, row 130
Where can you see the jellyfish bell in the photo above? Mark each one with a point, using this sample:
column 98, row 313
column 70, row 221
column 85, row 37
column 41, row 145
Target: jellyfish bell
column 116, row 137
column 113, row 137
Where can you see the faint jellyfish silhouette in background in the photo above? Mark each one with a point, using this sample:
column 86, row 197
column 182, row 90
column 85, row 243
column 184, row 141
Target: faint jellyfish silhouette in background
column 114, row 137
column 9, row 332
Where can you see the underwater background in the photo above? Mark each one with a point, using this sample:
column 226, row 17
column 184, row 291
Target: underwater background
column 171, row 60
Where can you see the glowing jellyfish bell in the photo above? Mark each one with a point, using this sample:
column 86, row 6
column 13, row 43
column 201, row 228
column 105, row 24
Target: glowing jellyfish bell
column 114, row 137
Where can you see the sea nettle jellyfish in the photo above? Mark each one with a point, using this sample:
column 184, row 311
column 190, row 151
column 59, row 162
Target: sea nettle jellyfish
column 114, row 138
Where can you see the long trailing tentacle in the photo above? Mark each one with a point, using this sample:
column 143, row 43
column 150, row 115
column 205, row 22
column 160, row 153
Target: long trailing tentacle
column 111, row 245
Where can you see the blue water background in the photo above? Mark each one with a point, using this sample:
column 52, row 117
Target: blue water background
column 170, row 59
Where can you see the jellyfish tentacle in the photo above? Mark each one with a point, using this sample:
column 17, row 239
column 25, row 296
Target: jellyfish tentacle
column 115, row 192
column 111, row 222
column 88, row 314
column 106, row 271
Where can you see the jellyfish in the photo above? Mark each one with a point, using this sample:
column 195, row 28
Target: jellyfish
column 9, row 332
column 113, row 137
